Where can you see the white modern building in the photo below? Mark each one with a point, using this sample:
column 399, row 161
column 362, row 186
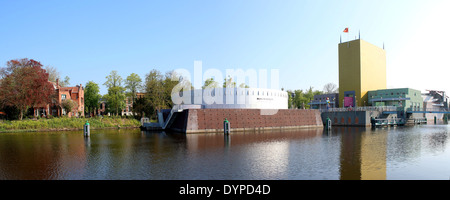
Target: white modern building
column 232, row 98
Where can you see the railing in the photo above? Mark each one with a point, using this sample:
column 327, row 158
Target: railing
column 384, row 108
column 365, row 108
column 420, row 120
column 388, row 121
column 144, row 120
column 175, row 108
column 427, row 109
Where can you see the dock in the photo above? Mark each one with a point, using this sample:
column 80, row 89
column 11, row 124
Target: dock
column 150, row 126
column 388, row 122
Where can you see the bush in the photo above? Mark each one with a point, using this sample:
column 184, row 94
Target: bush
column 65, row 122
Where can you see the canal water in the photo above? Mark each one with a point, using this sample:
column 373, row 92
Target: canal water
column 417, row 152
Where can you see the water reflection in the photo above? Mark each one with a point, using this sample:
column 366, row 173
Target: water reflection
column 419, row 152
column 363, row 154
column 41, row 156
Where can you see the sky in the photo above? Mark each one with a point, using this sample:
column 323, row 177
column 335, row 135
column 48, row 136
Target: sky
column 86, row 40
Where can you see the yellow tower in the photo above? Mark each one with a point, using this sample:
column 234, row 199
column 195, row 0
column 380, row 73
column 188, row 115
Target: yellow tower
column 362, row 67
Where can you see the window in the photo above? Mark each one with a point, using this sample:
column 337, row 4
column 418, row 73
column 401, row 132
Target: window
column 63, row 96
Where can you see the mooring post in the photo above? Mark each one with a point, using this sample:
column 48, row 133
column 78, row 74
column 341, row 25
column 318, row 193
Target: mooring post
column 226, row 127
column 87, row 131
column 328, row 123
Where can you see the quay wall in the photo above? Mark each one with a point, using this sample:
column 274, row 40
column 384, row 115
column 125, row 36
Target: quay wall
column 350, row 118
column 211, row 120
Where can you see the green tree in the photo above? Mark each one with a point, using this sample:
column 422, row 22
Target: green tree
column 133, row 85
column 154, row 91
column 158, row 91
column 300, row 99
column 69, row 105
column 243, row 85
column 142, row 107
column 229, row 83
column 91, row 96
column 113, row 80
column 290, row 99
column 211, row 83
column 116, row 93
column 171, row 79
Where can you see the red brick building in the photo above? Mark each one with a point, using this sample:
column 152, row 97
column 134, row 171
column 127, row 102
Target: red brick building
column 75, row 94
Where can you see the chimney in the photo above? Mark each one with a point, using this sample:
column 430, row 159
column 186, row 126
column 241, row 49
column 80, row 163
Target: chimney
column 57, row 83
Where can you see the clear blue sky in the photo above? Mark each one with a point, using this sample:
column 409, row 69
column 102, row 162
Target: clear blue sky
column 85, row 40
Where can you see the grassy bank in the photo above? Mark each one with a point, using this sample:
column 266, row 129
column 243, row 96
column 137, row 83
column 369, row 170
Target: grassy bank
column 64, row 123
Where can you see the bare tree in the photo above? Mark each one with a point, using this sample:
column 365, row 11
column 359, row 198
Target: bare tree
column 330, row 88
column 54, row 74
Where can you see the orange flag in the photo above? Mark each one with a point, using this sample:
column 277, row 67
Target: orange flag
column 346, row 30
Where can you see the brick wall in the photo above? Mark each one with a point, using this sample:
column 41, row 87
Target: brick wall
column 199, row 120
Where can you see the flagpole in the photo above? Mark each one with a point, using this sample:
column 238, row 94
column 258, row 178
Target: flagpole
column 346, row 37
column 348, row 41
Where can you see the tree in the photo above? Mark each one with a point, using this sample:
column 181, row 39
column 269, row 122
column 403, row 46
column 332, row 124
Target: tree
column 158, row 91
column 171, row 79
column 66, row 82
column 210, row 83
column 133, row 85
column 24, row 84
column 69, row 105
column 300, row 99
column 91, row 96
column 113, row 80
column 116, row 96
column 330, row 88
column 154, row 91
column 142, row 107
column 229, row 83
column 115, row 99
column 53, row 74
column 243, row 85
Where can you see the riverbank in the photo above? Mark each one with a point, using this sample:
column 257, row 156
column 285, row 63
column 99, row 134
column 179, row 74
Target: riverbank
column 64, row 124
